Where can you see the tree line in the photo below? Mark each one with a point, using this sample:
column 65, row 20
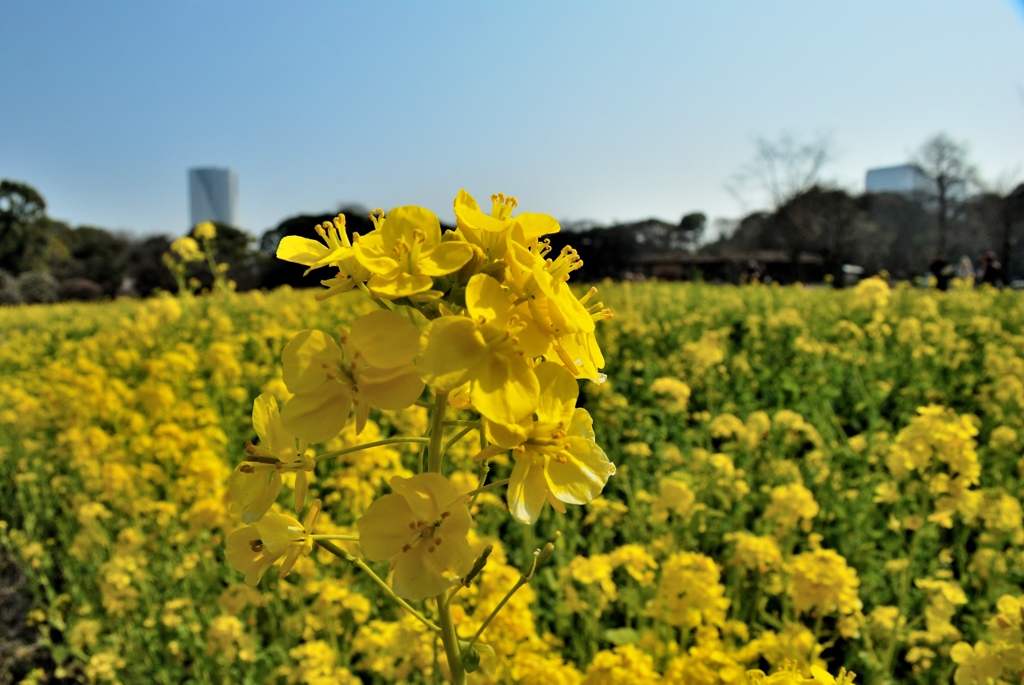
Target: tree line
column 45, row 260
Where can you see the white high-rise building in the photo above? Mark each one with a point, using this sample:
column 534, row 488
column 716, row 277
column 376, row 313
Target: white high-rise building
column 214, row 195
column 910, row 179
column 905, row 179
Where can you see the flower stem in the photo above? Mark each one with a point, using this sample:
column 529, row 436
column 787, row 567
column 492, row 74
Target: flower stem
column 342, row 554
column 495, row 484
column 350, row 538
column 435, row 452
column 523, row 580
column 458, row 436
column 450, row 640
column 366, row 446
column 376, row 300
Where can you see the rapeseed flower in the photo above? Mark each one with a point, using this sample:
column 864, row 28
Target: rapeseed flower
column 254, row 549
column 556, row 457
column 254, row 485
column 409, row 252
column 372, row 367
column 335, row 250
column 422, row 529
column 486, row 350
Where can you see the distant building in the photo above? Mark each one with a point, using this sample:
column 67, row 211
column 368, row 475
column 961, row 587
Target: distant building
column 905, row 179
column 909, row 179
column 213, row 194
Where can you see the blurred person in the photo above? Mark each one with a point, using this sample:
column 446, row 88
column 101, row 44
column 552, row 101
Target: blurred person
column 941, row 270
column 994, row 273
column 965, row 269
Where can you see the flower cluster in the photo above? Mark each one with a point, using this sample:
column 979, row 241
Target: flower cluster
column 479, row 319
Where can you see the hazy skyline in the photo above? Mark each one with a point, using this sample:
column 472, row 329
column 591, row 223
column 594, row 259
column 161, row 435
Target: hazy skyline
column 595, row 110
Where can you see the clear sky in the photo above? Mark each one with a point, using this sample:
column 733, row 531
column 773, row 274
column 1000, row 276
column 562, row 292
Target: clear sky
column 583, row 110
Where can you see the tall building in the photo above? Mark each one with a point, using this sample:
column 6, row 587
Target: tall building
column 905, row 179
column 910, row 179
column 213, row 193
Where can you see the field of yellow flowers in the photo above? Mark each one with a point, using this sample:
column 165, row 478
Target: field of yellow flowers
column 805, row 478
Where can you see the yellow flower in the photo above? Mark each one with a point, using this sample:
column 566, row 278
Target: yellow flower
column 409, row 254
column 422, row 529
column 372, row 367
column 490, row 232
column 483, row 349
column 823, row 582
column 791, row 504
column 541, row 284
column 253, row 549
column 336, row 250
column 188, row 249
column 254, row 485
column 689, row 593
column 557, row 459
column 674, row 389
column 976, row 666
column 205, row 231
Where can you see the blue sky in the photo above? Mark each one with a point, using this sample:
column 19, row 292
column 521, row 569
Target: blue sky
column 584, row 110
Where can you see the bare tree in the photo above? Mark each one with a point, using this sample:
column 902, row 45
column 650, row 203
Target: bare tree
column 782, row 169
column 945, row 162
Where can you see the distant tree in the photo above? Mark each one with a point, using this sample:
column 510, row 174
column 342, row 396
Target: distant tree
column 95, row 255
column 904, row 242
column 782, row 168
column 22, row 240
column 823, row 221
column 1012, row 224
column 945, row 162
column 232, row 247
column 691, row 229
column 606, row 252
column 146, row 268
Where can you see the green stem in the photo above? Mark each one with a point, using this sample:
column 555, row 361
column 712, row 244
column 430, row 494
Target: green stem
column 342, row 554
column 523, row 580
column 351, row 538
column 366, row 446
column 376, row 300
column 458, row 436
column 450, row 640
column 495, row 484
column 435, row 453
column 474, row 424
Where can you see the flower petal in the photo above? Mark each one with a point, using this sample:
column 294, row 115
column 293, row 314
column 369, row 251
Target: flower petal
column 504, row 388
column 583, row 474
column 307, row 360
column 449, row 349
column 416, row 576
column 385, row 527
column 444, row 259
column 390, row 389
column 535, row 225
column 403, row 222
column 384, row 339
column 486, row 299
column 318, row 416
column 558, row 393
column 299, row 250
column 526, row 488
